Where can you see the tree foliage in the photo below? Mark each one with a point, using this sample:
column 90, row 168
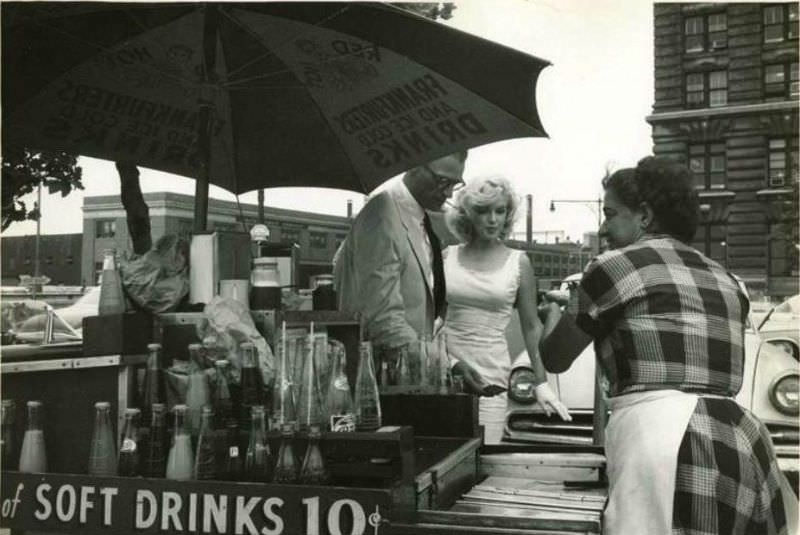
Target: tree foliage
column 24, row 170
column 431, row 10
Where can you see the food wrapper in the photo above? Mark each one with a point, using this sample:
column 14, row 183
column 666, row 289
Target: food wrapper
column 228, row 325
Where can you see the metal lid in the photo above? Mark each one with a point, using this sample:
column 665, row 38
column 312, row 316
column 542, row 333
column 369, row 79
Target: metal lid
column 265, row 261
column 102, row 405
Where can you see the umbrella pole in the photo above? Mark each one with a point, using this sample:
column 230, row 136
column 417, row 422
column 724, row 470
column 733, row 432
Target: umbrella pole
column 204, row 131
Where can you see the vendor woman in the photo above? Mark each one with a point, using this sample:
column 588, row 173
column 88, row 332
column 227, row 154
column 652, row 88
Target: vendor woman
column 668, row 328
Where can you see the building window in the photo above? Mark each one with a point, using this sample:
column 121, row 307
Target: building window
column 709, row 32
column 711, row 240
column 106, row 228
column 780, row 22
column 781, row 81
column 782, row 252
column 718, row 88
column 708, row 164
column 69, row 260
column 48, row 260
column 318, row 240
column 290, row 235
column 782, row 164
column 12, row 263
column 706, row 89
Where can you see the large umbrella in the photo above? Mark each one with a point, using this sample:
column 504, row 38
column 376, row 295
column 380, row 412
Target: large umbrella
column 253, row 95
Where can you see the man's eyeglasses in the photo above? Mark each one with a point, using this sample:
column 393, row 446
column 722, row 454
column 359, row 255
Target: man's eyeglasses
column 444, row 182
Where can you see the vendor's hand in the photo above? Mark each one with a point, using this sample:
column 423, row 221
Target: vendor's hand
column 547, row 309
column 473, row 381
column 558, row 296
column 550, row 402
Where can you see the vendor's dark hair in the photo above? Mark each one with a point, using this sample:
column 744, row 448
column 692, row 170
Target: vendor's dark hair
column 667, row 187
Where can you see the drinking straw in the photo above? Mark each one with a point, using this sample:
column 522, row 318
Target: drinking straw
column 283, row 368
column 310, row 361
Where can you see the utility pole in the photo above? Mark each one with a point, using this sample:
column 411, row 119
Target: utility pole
column 529, row 219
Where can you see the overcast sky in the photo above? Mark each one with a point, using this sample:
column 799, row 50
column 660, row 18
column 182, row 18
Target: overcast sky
column 593, row 101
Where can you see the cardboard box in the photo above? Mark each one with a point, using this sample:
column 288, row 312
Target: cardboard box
column 117, row 334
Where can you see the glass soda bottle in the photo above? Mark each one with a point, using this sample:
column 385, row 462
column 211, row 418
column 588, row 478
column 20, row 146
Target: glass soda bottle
column 181, row 457
column 310, row 408
column 283, row 394
column 155, row 382
column 233, row 456
column 339, row 402
column 251, row 387
column 112, row 300
column 403, row 367
column 423, row 362
column 103, row 454
column 198, row 394
column 286, row 466
column 258, row 460
column 205, row 459
column 33, row 456
column 313, row 471
column 129, row 451
column 222, row 400
column 367, row 402
column 155, row 462
column 8, row 442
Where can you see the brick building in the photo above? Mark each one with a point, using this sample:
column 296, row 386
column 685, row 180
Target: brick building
column 104, row 227
column 59, row 258
column 726, row 103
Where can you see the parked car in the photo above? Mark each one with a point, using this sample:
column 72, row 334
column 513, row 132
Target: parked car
column 34, row 328
column 781, row 326
column 86, row 305
column 770, row 389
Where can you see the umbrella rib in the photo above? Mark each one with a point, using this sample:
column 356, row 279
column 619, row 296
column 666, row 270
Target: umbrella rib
column 269, row 51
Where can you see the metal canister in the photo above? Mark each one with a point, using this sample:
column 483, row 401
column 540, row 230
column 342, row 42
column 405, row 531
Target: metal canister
column 324, row 296
column 265, row 286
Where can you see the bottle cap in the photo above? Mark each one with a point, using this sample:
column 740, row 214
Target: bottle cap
column 256, row 409
column 132, row 411
column 9, row 403
column 158, row 407
column 208, row 410
column 34, row 403
column 102, row 405
column 314, row 431
column 221, row 363
column 287, row 428
column 153, row 347
column 179, row 408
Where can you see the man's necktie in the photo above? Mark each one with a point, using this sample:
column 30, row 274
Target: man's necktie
column 439, row 289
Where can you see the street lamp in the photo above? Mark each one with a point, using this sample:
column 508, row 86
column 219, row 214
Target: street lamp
column 586, row 202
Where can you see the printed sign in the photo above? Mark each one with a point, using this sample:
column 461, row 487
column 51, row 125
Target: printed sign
column 93, row 505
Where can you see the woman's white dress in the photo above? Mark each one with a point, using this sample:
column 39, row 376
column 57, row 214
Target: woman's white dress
column 479, row 308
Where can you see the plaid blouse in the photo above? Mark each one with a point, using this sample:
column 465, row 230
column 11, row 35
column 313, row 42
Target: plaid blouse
column 664, row 316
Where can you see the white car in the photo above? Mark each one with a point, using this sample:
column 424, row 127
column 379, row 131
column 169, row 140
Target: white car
column 86, row 305
column 770, row 389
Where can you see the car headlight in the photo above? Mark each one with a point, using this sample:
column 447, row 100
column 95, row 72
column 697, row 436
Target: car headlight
column 521, row 386
column 784, row 393
column 786, row 346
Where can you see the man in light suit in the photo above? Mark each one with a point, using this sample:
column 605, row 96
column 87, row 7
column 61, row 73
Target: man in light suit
column 389, row 268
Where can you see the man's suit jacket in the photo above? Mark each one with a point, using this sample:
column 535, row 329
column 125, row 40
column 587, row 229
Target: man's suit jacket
column 382, row 272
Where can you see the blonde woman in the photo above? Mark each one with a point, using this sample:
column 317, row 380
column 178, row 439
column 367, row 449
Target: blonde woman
column 485, row 281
